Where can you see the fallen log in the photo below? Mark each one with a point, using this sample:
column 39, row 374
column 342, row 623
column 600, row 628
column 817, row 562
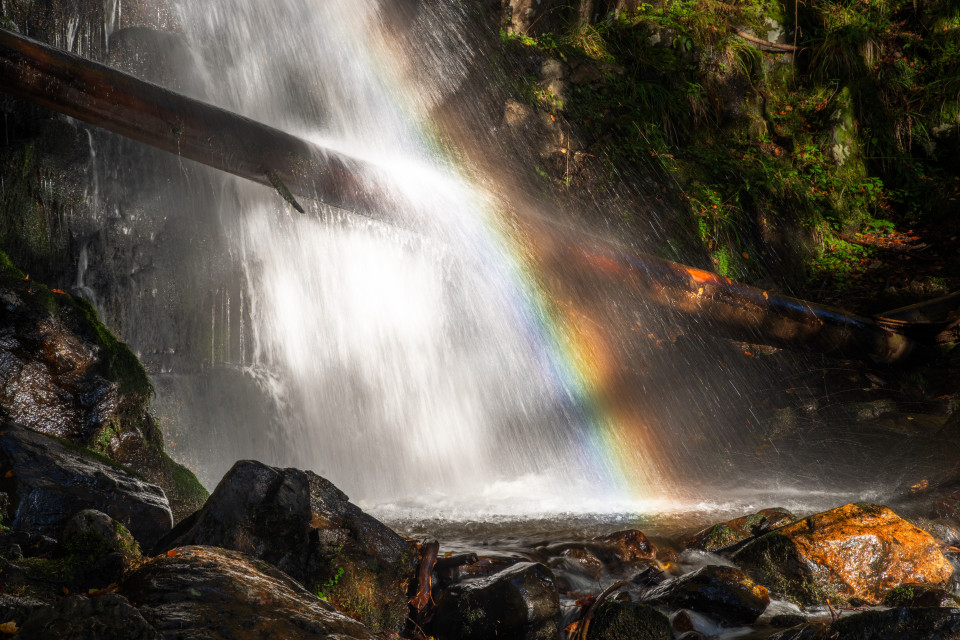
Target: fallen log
column 148, row 113
column 742, row 312
column 143, row 111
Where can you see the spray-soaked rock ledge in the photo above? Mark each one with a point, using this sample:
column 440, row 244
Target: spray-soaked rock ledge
column 282, row 553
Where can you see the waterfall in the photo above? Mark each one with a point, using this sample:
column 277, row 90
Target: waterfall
column 403, row 365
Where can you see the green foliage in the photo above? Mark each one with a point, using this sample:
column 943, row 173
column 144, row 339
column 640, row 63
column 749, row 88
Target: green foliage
column 324, row 589
column 843, row 139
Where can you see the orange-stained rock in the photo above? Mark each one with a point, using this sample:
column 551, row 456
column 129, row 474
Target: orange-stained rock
column 855, row 551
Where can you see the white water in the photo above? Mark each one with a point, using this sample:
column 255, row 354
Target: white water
column 407, row 370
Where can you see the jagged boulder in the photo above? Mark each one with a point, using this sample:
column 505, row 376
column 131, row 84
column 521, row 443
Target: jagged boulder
column 723, row 593
column 215, row 594
column 854, row 551
column 519, row 603
column 726, row 534
column 93, row 554
column 48, row 481
column 66, row 375
column 305, row 526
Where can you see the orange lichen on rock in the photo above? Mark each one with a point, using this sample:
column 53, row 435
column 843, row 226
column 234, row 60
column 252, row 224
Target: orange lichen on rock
column 854, row 551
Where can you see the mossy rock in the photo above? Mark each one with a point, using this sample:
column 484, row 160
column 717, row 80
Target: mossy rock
column 76, row 381
column 902, row 623
column 616, row 620
column 856, row 551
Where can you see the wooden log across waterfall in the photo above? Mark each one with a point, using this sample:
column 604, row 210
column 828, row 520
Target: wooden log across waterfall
column 148, row 113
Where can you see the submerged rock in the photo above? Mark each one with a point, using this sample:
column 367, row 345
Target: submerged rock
column 215, row 594
column 723, row 593
column 901, row 623
column 855, row 551
column 615, row 620
column 105, row 617
column 49, row 481
column 727, row 534
column 305, row 526
column 519, row 603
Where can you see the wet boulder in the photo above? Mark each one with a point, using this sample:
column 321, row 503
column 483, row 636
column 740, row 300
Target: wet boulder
column 901, row 623
column 306, row 527
column 855, row 551
column 628, row 545
column 920, row 595
column 726, row 534
column 518, row 603
column 616, row 620
column 215, row 594
column 722, row 593
column 48, row 481
column 93, row 554
column 66, row 375
column 105, row 617
column 98, row 549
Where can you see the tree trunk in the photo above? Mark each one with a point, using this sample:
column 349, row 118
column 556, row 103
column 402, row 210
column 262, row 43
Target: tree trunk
column 585, row 13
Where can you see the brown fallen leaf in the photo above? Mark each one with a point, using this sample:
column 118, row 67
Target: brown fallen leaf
column 8, row 628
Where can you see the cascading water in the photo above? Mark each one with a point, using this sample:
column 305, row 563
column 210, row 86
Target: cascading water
column 452, row 361
column 400, row 363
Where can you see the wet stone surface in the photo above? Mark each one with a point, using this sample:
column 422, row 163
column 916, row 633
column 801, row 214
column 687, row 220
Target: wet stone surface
column 519, row 603
column 855, row 551
column 48, row 481
column 215, row 594
column 724, row 593
column 306, row 527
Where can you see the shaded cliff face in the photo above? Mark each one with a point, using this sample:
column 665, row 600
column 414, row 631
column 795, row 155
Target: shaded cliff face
column 66, row 375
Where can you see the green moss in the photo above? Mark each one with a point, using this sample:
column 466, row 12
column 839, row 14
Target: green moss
column 120, row 362
column 760, row 150
column 7, row 267
column 96, row 455
column 899, row 597
column 185, row 483
column 773, row 561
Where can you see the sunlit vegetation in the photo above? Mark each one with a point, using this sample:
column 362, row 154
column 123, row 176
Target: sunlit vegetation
column 771, row 152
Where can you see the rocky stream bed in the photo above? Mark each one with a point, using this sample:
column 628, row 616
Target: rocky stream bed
column 105, row 537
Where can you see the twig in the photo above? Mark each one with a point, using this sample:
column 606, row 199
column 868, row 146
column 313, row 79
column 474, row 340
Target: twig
column 786, row 48
column 581, row 632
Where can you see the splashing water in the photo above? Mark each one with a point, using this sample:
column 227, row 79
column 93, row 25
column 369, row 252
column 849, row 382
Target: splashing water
column 453, row 363
column 409, row 368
